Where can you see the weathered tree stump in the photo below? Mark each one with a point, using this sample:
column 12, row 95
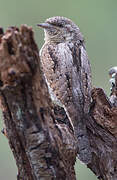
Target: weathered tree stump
column 39, row 133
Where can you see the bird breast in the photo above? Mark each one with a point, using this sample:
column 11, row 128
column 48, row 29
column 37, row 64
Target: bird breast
column 56, row 60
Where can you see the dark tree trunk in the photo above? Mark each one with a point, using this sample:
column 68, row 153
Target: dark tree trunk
column 39, row 132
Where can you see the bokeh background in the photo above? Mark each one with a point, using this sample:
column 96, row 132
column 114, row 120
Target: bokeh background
column 97, row 20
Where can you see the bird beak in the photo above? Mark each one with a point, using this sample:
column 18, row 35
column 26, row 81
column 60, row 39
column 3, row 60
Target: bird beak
column 45, row 25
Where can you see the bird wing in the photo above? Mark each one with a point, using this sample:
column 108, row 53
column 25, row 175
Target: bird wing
column 81, row 77
column 81, row 94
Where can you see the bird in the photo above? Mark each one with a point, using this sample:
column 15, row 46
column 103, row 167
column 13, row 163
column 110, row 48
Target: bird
column 66, row 68
column 112, row 73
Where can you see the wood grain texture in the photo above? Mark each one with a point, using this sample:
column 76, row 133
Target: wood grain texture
column 101, row 126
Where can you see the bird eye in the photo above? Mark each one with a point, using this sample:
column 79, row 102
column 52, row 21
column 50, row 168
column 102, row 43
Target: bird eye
column 60, row 25
column 52, row 31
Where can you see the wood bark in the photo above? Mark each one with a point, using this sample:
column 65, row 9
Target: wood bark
column 39, row 133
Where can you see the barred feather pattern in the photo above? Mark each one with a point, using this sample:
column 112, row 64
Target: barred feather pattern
column 67, row 76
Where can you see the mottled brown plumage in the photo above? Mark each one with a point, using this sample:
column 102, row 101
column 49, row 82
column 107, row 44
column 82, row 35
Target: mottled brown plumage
column 66, row 68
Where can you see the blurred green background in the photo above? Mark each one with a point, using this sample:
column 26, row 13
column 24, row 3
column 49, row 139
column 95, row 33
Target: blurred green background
column 97, row 20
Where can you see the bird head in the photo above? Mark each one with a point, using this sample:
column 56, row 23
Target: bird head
column 60, row 29
column 113, row 72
